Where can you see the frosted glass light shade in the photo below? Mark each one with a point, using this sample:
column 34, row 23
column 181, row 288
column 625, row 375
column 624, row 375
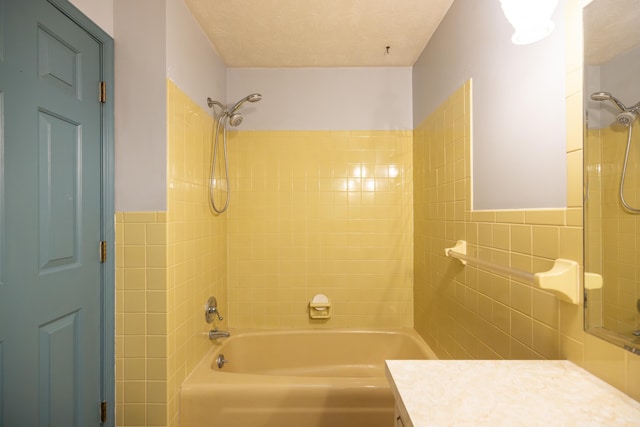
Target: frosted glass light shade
column 530, row 18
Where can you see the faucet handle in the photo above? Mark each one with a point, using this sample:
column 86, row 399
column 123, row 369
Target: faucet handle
column 211, row 308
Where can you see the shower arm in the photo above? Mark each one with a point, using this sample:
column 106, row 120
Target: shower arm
column 211, row 103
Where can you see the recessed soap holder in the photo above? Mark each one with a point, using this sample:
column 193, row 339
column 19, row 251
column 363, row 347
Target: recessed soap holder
column 320, row 307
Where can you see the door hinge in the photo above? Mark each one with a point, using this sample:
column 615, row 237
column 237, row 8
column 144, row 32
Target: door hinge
column 103, row 92
column 103, row 411
column 103, row 251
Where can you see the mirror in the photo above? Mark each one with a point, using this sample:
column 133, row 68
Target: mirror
column 612, row 171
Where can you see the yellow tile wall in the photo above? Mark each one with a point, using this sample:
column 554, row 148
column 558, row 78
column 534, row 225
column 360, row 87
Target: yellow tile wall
column 196, row 241
column 320, row 212
column 168, row 264
column 471, row 313
column 141, row 319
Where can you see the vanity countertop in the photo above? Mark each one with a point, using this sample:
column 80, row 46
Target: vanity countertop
column 506, row 393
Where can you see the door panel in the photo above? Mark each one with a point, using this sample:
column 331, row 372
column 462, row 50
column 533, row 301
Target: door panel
column 50, row 301
column 59, row 201
column 1, row 383
column 2, row 229
column 59, row 373
column 58, row 62
column 2, row 29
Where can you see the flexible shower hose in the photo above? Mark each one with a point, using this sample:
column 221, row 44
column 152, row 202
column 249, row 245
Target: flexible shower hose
column 222, row 120
column 624, row 172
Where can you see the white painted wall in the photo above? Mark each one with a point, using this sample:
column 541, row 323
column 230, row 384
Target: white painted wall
column 519, row 119
column 99, row 11
column 323, row 98
column 140, row 105
column 192, row 62
column 155, row 40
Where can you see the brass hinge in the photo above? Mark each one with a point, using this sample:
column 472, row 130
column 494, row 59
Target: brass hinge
column 103, row 92
column 103, row 411
column 103, row 251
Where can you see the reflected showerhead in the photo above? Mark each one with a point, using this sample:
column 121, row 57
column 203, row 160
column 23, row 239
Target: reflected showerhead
column 600, row 96
column 606, row 96
column 626, row 118
column 254, row 97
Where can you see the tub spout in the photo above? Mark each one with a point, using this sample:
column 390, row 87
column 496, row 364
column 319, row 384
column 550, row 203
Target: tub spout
column 214, row 334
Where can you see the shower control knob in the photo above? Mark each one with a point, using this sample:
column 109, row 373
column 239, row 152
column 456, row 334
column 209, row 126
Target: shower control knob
column 211, row 310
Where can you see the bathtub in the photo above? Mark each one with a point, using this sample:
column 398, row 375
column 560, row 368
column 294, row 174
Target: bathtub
column 297, row 378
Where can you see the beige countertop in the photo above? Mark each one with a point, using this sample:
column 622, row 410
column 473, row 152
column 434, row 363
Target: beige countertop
column 506, row 393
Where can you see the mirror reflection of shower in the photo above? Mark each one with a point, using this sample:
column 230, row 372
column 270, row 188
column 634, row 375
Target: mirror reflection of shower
column 626, row 116
column 611, row 63
column 231, row 116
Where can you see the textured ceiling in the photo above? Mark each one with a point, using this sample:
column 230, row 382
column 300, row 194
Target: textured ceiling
column 612, row 27
column 319, row 33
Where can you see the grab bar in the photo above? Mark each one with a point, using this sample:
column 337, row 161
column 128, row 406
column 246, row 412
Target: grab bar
column 563, row 280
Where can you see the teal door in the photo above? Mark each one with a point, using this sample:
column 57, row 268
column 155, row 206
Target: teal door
column 51, row 218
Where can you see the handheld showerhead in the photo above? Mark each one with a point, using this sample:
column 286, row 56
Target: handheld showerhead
column 606, row 96
column 254, row 97
column 236, row 118
column 601, row 96
column 626, row 118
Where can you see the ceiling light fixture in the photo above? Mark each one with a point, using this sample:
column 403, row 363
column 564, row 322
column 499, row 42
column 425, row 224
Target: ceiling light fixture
column 530, row 18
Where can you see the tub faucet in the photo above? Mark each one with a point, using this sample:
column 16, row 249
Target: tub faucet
column 214, row 334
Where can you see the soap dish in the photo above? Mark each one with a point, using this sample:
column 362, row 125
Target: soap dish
column 320, row 307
